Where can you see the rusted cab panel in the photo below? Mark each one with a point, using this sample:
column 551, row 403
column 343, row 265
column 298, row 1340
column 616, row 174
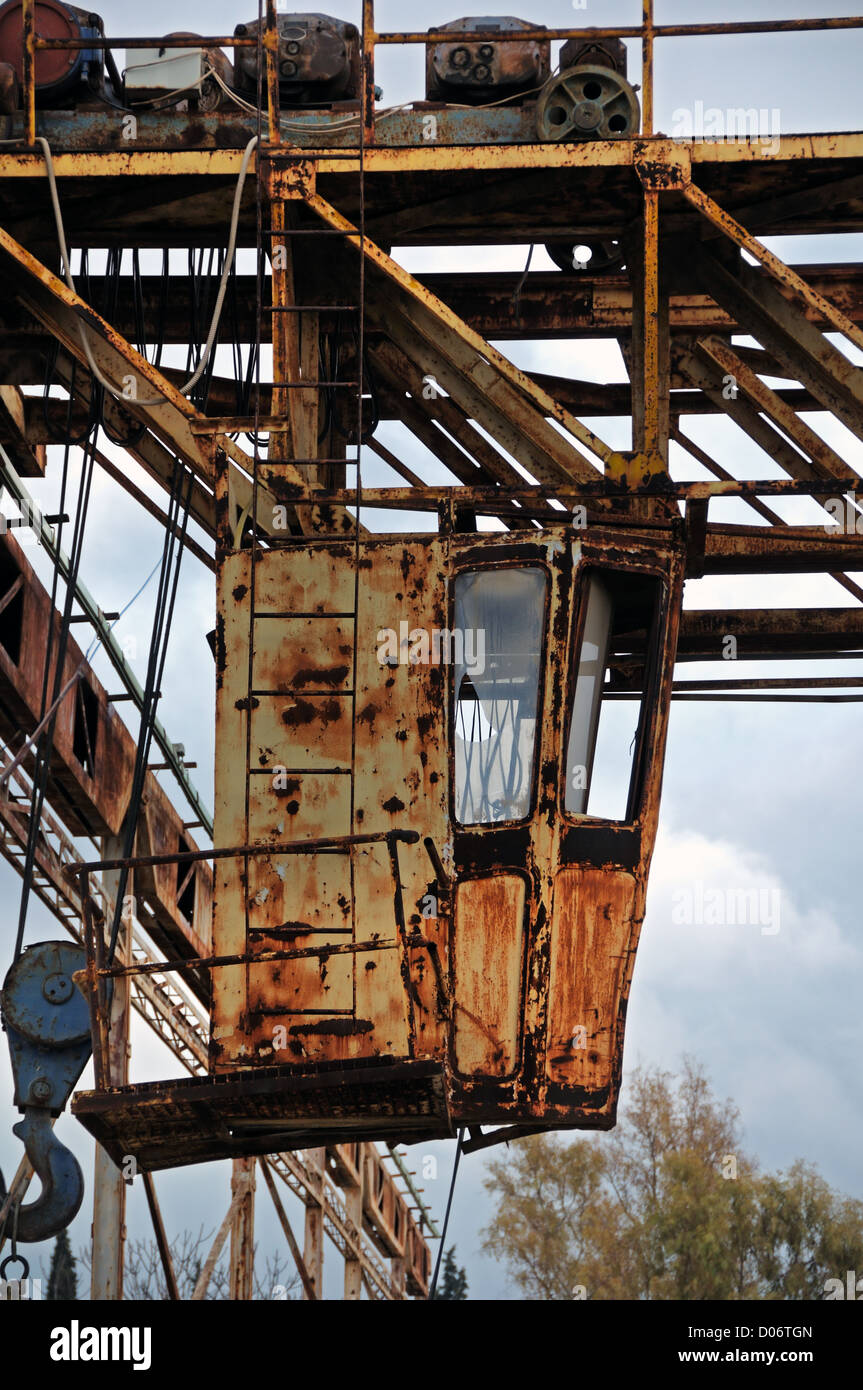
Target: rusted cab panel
column 461, row 687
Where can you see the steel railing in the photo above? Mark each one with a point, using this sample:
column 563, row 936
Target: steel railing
column 648, row 32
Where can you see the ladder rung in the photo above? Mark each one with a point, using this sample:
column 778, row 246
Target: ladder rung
column 307, row 231
column 311, row 308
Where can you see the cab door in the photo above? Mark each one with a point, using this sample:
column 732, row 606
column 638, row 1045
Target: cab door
column 623, row 638
column 557, row 737
column 509, row 600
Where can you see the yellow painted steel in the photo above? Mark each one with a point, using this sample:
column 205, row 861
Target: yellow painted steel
column 417, row 291
column 782, row 273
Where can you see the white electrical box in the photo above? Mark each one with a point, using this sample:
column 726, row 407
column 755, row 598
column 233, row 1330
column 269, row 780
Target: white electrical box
column 151, row 71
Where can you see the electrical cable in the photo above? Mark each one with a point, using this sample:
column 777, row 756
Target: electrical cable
column 229, row 256
column 516, row 298
column 162, row 620
column 110, row 310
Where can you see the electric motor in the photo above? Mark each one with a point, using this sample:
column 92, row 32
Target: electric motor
column 58, row 72
column 591, row 52
column 318, row 60
column 477, row 72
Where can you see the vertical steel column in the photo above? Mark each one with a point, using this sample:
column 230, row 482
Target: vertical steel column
column 271, row 58
column 29, row 70
column 108, row 1232
column 243, row 1229
column 647, row 42
column 398, row 1267
column 656, row 345
column 651, row 345
column 313, row 1243
column 354, row 1207
column 285, row 362
column 368, row 92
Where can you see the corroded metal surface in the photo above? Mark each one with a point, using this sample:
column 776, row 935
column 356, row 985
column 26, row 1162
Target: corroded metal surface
column 479, row 971
column 199, row 1119
column 341, row 744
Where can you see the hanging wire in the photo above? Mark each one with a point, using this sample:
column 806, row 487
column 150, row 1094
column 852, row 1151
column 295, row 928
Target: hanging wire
column 169, row 577
column 109, row 310
column 433, row 1289
column 65, row 437
column 516, row 298
column 67, row 270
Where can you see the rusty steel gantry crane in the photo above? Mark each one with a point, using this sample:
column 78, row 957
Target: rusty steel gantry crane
column 420, row 919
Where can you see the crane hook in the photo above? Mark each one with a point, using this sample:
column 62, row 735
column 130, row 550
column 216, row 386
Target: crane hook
column 47, row 1022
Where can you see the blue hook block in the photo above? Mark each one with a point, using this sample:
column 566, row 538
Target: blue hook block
column 47, row 1022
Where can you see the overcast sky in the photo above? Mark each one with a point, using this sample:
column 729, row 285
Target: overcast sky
column 755, row 795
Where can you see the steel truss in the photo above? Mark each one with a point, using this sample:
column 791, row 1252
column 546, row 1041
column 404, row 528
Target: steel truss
column 685, row 212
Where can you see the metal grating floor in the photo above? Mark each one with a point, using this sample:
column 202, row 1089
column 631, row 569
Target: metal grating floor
column 169, row 1124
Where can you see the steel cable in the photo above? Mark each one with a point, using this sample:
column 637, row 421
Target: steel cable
column 433, row 1289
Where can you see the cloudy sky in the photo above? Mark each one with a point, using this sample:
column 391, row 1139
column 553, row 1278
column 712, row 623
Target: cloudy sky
column 756, row 796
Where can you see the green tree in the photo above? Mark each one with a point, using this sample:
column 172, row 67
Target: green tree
column 453, row 1284
column 63, row 1278
column 667, row 1206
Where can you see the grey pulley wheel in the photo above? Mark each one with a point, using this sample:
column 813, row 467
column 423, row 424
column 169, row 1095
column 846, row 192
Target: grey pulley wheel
column 584, row 103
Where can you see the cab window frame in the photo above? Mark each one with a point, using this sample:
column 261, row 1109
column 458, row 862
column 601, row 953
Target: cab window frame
column 654, row 666
column 457, row 571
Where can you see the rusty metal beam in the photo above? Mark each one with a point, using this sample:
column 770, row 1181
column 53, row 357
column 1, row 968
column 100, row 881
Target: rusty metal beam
column 792, row 550
column 161, row 1238
column 65, row 314
column 27, row 455
column 313, row 1244
column 353, row 1267
column 757, row 505
column 108, row 1232
column 425, row 407
column 781, row 273
column 591, row 398
column 308, row 1286
column 242, row 1259
column 157, row 461
column 833, row 148
column 174, row 421
column 550, row 305
column 770, row 632
column 823, row 460
column 782, row 329
column 705, row 372
column 477, row 363
column 512, row 424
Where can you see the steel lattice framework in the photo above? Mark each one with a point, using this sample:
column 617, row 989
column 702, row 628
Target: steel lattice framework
column 355, row 340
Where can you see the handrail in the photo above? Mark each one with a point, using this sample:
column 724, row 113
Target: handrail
column 268, row 40
column 648, row 32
